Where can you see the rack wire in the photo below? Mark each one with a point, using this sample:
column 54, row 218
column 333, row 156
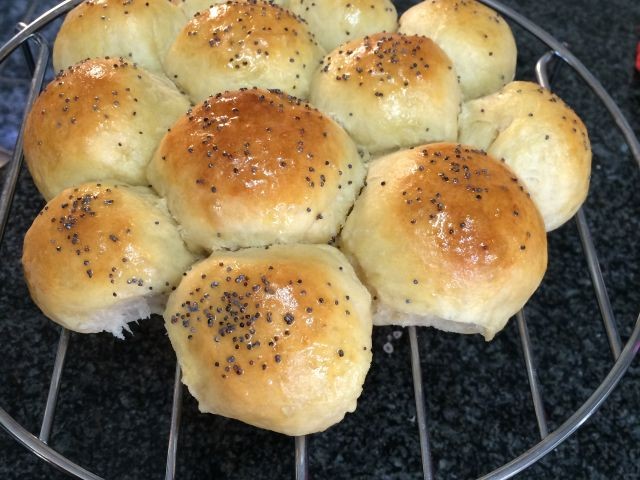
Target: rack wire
column 29, row 40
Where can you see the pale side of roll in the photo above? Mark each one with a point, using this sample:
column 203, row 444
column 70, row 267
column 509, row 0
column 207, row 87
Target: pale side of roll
column 541, row 139
column 446, row 236
column 191, row 7
column 476, row 38
column 390, row 91
column 102, row 255
column 335, row 22
column 139, row 30
column 252, row 167
column 243, row 44
column 102, row 118
column 279, row 338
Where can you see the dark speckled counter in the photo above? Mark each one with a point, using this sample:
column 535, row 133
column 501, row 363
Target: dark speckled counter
column 113, row 412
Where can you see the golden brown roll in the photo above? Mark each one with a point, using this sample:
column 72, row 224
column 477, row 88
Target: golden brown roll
column 99, row 119
column 446, row 236
column 279, row 338
column 390, row 91
column 475, row 37
column 101, row 255
column 543, row 141
column 243, row 44
column 253, row 167
column 335, row 22
column 191, row 7
column 140, row 30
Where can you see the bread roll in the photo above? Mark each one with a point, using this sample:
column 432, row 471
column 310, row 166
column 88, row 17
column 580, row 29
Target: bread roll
column 390, row 91
column 140, row 30
column 475, row 37
column 446, row 236
column 543, row 141
column 277, row 338
column 253, row 167
column 99, row 119
column 191, row 7
column 335, row 22
column 101, row 255
column 243, row 44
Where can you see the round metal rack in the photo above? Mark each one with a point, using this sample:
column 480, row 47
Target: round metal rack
column 36, row 53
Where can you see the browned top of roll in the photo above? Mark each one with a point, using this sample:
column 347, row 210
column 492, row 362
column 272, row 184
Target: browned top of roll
column 292, row 304
column 243, row 44
column 272, row 154
column 99, row 244
column 541, row 138
column 110, row 98
column 245, row 142
column 279, row 338
column 390, row 91
column 447, row 232
column 252, row 18
column 386, row 62
column 101, row 118
column 465, row 206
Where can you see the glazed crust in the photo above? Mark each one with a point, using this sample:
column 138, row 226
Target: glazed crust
column 191, row 7
column 253, row 167
column 541, row 139
column 390, row 91
column 139, row 30
column 277, row 338
column 98, row 245
column 102, row 118
column 476, row 38
column 243, row 44
column 446, row 232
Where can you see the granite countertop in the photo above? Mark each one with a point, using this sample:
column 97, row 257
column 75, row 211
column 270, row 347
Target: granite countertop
column 115, row 400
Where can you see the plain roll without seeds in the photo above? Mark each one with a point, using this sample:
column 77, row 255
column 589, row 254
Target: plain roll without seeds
column 476, row 38
column 139, row 30
column 101, row 255
column 102, row 118
column 446, row 236
column 243, row 44
column 390, row 91
column 335, row 22
column 279, row 338
column 541, row 139
column 254, row 167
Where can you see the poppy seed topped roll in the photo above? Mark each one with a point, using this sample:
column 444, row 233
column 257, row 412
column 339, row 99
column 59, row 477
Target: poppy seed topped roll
column 476, row 38
column 446, row 236
column 390, row 91
column 102, row 118
column 243, row 44
column 335, row 22
column 279, row 338
column 254, row 167
column 140, row 30
column 541, row 139
column 101, row 255
column 191, row 7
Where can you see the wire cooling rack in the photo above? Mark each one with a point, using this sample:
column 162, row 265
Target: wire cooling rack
column 36, row 54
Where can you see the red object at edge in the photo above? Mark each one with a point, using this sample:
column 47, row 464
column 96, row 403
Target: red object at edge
column 638, row 57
